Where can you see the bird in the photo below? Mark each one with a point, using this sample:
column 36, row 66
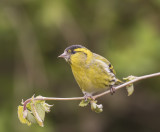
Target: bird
column 92, row 72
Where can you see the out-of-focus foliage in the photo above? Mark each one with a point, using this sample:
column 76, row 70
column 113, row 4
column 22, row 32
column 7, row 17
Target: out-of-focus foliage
column 34, row 32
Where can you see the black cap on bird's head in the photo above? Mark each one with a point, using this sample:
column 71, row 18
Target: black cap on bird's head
column 69, row 51
column 72, row 47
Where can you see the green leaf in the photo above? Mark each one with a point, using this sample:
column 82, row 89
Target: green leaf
column 129, row 78
column 36, row 114
column 95, row 107
column 47, row 107
column 130, row 89
column 42, row 105
column 21, row 117
column 40, row 110
column 30, row 117
column 84, row 103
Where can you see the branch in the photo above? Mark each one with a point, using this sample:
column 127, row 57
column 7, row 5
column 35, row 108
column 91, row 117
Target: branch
column 96, row 96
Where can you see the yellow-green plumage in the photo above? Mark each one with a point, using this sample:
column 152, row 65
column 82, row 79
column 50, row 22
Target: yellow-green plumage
column 92, row 72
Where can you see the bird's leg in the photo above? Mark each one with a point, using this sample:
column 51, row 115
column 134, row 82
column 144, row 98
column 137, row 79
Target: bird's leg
column 112, row 89
column 87, row 96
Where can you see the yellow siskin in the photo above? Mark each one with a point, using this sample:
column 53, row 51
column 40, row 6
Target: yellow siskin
column 92, row 72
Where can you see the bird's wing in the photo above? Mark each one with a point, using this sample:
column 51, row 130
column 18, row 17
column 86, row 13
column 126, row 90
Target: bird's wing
column 98, row 57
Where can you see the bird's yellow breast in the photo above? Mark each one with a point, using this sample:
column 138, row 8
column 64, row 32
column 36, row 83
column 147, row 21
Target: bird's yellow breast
column 81, row 76
column 91, row 71
column 91, row 78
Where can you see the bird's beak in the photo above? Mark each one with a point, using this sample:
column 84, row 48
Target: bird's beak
column 64, row 55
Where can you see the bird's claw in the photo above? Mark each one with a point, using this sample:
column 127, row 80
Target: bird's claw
column 112, row 90
column 86, row 97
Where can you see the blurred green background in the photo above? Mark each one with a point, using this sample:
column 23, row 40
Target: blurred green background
column 34, row 32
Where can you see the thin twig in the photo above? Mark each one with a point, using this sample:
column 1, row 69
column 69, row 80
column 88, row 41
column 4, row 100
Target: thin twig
column 96, row 96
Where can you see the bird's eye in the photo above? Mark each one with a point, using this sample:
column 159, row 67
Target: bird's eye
column 69, row 51
column 73, row 52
